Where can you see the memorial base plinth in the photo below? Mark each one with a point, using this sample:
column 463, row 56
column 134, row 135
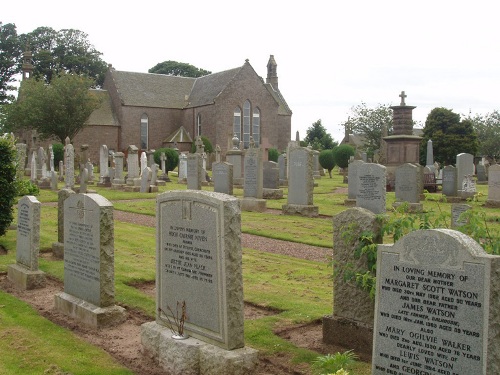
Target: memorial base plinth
column 253, row 204
column 193, row 356
column 272, row 193
column 412, row 207
column 492, row 203
column 131, row 189
column 300, row 209
column 87, row 313
column 464, row 195
column 348, row 333
column 350, row 202
column 58, row 250
column 161, row 183
column 25, row 279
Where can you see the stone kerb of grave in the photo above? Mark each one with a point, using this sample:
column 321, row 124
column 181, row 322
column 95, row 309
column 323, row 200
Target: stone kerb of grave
column 199, row 262
column 437, row 306
column 25, row 273
column 89, row 288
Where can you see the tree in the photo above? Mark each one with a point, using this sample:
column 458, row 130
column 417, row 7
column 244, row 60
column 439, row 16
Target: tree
column 318, row 138
column 67, row 50
column 57, row 110
column 7, row 182
column 370, row 122
column 327, row 161
column 450, row 136
column 341, row 156
column 9, row 61
column 174, row 68
column 487, row 128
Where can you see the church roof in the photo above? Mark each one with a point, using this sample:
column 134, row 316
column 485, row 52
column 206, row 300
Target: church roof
column 208, row 87
column 152, row 90
column 104, row 114
column 283, row 108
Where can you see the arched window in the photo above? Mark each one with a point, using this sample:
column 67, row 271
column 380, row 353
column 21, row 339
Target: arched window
column 246, row 123
column 144, row 132
column 256, row 126
column 237, row 122
column 198, row 125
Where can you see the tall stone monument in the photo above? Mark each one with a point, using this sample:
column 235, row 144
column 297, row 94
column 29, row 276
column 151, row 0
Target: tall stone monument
column 402, row 146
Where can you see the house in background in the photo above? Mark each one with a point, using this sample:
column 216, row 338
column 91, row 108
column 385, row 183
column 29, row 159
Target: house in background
column 151, row 110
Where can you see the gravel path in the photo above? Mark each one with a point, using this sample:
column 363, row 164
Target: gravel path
column 293, row 249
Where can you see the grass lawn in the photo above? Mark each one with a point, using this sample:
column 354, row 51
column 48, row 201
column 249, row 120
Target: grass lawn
column 301, row 291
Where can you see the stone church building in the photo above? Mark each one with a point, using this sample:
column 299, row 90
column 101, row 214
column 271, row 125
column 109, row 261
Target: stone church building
column 155, row 110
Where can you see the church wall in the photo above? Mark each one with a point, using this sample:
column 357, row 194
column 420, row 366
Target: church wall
column 96, row 136
column 162, row 122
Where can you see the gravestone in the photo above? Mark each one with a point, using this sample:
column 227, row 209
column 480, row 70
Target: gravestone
column 436, row 306
column 481, row 173
column 371, row 187
column 300, row 183
column 61, row 170
column 253, row 180
column 222, row 174
column 234, row 156
column 194, row 172
column 25, row 273
column 182, row 176
column 199, row 262
column 132, row 164
column 271, row 181
column 89, row 288
column 458, row 209
column 104, row 179
column 352, row 182
column 430, row 156
column 465, row 167
column 118, row 179
column 20, row 160
column 58, row 247
column 351, row 324
column 493, row 186
column 144, row 162
column 283, row 168
column 145, row 180
column 54, row 180
column 83, row 181
column 69, row 163
column 468, row 188
column 34, row 162
column 449, row 181
column 408, row 186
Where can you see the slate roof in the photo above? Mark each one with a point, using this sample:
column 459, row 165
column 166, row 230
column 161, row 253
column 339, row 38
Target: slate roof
column 103, row 115
column 163, row 91
column 152, row 90
column 207, row 88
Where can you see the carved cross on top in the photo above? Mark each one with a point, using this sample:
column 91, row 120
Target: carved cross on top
column 402, row 96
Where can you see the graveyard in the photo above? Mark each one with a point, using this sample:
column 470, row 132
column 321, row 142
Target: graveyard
column 287, row 290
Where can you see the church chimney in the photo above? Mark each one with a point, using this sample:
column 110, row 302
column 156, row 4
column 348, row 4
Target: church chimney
column 272, row 75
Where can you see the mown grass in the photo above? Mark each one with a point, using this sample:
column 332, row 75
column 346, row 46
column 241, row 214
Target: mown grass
column 301, row 291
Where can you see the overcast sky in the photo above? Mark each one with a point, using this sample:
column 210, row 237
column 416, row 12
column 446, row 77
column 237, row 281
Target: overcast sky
column 331, row 55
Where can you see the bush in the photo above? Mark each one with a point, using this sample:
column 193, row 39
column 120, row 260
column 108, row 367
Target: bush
column 26, row 187
column 342, row 154
column 7, row 182
column 208, row 146
column 172, row 158
column 273, row 155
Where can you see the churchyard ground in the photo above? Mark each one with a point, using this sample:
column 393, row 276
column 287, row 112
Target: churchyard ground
column 289, row 291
